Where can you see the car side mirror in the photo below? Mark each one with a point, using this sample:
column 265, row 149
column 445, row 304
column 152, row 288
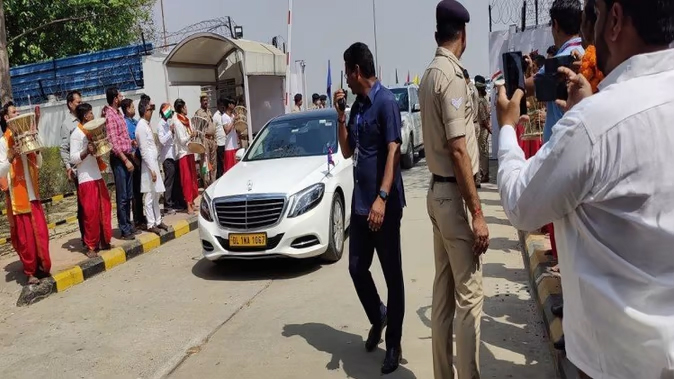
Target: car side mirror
column 416, row 108
column 239, row 154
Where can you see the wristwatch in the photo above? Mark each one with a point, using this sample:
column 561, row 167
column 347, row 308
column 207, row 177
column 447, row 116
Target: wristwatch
column 383, row 195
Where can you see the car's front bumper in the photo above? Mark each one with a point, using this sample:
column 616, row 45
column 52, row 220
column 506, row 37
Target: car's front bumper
column 304, row 236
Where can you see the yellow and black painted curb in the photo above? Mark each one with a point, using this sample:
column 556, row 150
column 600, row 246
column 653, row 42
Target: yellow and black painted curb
column 107, row 260
column 546, row 291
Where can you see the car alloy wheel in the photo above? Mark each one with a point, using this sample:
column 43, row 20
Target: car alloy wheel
column 338, row 225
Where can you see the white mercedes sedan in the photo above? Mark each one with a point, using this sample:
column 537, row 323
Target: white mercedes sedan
column 289, row 196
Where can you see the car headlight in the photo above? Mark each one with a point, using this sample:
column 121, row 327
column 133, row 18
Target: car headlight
column 306, row 199
column 205, row 208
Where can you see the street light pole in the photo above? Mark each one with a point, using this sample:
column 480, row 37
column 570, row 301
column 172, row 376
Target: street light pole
column 374, row 21
column 303, row 64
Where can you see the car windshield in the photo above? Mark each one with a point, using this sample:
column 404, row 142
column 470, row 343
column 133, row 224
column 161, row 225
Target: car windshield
column 402, row 97
column 302, row 136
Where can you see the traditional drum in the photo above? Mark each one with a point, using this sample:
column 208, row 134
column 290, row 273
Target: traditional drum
column 241, row 124
column 533, row 129
column 24, row 133
column 199, row 126
column 98, row 135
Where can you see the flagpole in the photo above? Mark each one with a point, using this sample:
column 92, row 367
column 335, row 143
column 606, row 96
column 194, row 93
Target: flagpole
column 374, row 21
column 288, row 72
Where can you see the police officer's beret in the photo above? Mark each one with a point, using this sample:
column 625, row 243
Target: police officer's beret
column 480, row 81
column 451, row 11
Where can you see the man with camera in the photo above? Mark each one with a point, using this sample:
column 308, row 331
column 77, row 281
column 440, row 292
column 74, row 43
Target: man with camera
column 600, row 180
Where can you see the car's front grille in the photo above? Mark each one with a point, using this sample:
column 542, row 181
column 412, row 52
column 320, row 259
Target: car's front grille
column 249, row 211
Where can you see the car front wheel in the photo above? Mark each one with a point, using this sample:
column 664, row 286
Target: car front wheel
column 336, row 242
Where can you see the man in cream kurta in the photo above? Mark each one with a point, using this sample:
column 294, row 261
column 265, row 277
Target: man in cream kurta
column 151, row 183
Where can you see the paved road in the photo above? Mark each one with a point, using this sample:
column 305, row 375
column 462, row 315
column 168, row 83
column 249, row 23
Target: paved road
column 170, row 313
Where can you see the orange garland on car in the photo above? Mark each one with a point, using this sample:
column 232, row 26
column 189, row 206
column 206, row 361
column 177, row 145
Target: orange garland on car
column 589, row 69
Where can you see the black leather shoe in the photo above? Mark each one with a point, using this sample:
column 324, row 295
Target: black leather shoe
column 560, row 345
column 392, row 360
column 557, row 310
column 374, row 337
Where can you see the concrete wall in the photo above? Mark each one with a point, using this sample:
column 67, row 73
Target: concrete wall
column 54, row 113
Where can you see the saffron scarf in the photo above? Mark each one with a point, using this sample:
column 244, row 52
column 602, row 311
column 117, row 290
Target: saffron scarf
column 185, row 121
column 19, row 188
column 101, row 164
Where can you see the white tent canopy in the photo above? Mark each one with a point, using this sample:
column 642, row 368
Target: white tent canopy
column 197, row 58
column 205, row 58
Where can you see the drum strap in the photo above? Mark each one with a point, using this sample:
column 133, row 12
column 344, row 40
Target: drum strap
column 101, row 164
column 18, row 187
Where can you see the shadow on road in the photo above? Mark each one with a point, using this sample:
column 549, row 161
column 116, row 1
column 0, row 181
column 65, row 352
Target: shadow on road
column 346, row 349
column 506, row 322
column 244, row 270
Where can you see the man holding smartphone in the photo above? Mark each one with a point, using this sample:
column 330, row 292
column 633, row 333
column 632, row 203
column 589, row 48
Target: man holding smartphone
column 447, row 114
column 372, row 137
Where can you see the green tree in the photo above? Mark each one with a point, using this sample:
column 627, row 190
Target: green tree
column 38, row 30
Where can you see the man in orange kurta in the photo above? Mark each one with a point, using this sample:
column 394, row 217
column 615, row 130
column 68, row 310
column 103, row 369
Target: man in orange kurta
column 29, row 232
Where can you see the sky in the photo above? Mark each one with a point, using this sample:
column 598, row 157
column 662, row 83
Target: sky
column 323, row 29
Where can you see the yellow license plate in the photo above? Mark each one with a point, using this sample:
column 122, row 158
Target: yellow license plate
column 248, row 240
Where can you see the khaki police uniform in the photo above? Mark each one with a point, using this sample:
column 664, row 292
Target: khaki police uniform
column 484, row 117
column 296, row 108
column 448, row 112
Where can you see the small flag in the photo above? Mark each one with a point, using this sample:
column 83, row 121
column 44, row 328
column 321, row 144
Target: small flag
column 416, row 79
column 329, row 85
column 330, row 160
column 408, row 78
column 498, row 79
column 396, row 76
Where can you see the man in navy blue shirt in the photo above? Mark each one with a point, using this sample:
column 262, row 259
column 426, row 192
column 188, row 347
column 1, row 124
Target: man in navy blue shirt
column 372, row 138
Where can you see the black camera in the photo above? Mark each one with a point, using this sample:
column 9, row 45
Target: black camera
column 551, row 85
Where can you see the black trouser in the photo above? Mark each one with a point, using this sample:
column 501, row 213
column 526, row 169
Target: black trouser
column 138, row 215
column 221, row 162
column 173, row 197
column 362, row 244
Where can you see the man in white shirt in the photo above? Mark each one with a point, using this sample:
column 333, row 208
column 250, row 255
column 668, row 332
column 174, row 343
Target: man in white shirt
column 73, row 99
column 173, row 193
column 600, row 179
column 220, row 137
column 151, row 185
column 94, row 195
column 232, row 142
column 28, row 225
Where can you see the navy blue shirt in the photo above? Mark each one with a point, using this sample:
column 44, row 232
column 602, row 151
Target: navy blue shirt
column 374, row 122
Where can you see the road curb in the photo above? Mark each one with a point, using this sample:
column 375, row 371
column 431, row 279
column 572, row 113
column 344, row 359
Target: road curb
column 546, row 289
column 63, row 280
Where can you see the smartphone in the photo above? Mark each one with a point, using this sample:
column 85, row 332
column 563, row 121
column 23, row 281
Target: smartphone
column 551, row 85
column 514, row 76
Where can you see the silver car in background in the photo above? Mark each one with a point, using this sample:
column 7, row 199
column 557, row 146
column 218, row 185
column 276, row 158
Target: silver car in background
column 410, row 113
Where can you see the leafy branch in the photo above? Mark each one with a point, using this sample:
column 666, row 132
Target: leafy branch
column 54, row 22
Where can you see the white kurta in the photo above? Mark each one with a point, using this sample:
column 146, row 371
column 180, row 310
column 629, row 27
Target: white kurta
column 605, row 180
column 150, row 156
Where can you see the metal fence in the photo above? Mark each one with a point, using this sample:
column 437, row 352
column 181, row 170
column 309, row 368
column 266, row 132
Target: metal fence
column 523, row 13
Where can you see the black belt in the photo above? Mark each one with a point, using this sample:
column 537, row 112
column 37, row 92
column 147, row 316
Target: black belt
column 444, row 179
column 448, row 179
